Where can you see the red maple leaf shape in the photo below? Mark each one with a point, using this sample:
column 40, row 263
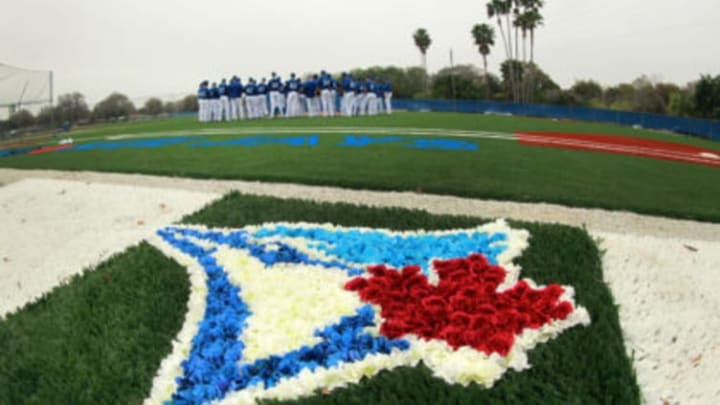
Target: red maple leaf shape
column 464, row 308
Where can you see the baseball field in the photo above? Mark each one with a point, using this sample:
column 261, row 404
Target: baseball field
column 611, row 216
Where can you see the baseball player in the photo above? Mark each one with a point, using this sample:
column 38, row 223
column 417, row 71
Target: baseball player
column 325, row 84
column 250, row 99
column 348, row 97
column 370, row 102
column 214, row 102
column 379, row 96
column 262, row 89
column 310, row 89
column 388, row 96
column 235, row 93
column 292, row 87
column 224, row 100
column 275, row 85
column 333, row 94
column 202, row 96
column 360, row 96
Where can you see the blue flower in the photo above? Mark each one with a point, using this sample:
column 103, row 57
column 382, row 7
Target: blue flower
column 211, row 370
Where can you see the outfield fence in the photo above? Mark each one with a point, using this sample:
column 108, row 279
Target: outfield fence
column 709, row 129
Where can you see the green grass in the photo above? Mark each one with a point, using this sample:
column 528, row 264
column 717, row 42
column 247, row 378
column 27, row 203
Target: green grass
column 455, row 121
column 502, row 170
column 99, row 339
column 499, row 170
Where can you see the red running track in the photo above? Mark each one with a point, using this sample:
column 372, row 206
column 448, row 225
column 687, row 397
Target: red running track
column 623, row 145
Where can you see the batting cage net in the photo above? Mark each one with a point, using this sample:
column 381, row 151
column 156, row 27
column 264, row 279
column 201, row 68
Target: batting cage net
column 23, row 87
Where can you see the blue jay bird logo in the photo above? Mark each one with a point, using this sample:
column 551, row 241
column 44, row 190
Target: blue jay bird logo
column 279, row 323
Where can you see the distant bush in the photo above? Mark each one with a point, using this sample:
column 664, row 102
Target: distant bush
column 114, row 106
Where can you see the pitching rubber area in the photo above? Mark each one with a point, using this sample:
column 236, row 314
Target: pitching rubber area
column 623, row 145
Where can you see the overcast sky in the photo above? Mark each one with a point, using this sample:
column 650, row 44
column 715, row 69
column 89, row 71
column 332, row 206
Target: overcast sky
column 165, row 47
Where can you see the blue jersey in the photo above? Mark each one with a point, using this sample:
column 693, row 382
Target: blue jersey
column 262, row 89
column 275, row 84
column 388, row 87
column 250, row 89
column 333, row 84
column 292, row 85
column 223, row 89
column 325, row 82
column 310, row 88
column 379, row 89
column 370, row 86
column 213, row 93
column 234, row 89
column 202, row 93
column 347, row 84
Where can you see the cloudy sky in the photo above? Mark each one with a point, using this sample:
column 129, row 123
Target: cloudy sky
column 165, row 47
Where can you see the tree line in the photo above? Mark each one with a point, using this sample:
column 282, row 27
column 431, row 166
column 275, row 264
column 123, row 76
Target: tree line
column 72, row 108
column 521, row 80
column 699, row 99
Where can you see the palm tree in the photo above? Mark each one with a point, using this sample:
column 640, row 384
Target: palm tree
column 521, row 23
column 498, row 9
column 516, row 4
column 422, row 41
column 534, row 20
column 484, row 36
column 531, row 20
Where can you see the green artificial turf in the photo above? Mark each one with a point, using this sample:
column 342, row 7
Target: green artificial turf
column 499, row 169
column 455, row 121
column 100, row 339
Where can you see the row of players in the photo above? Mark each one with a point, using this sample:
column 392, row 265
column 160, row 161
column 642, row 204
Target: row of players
column 293, row 98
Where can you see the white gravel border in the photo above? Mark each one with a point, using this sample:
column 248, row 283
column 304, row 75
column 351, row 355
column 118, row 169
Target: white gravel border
column 54, row 229
column 663, row 272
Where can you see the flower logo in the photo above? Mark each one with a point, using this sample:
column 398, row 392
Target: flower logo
column 281, row 310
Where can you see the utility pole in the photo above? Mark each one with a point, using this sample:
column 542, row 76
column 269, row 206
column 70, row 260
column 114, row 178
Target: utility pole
column 452, row 80
column 52, row 104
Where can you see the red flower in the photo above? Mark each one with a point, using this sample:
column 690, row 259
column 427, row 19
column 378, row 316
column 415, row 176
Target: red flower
column 461, row 303
column 435, row 305
column 356, row 284
column 419, row 292
column 562, row 311
column 410, row 271
column 501, row 343
column 378, row 271
column 393, row 328
column 460, row 319
column 464, row 309
column 454, row 336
